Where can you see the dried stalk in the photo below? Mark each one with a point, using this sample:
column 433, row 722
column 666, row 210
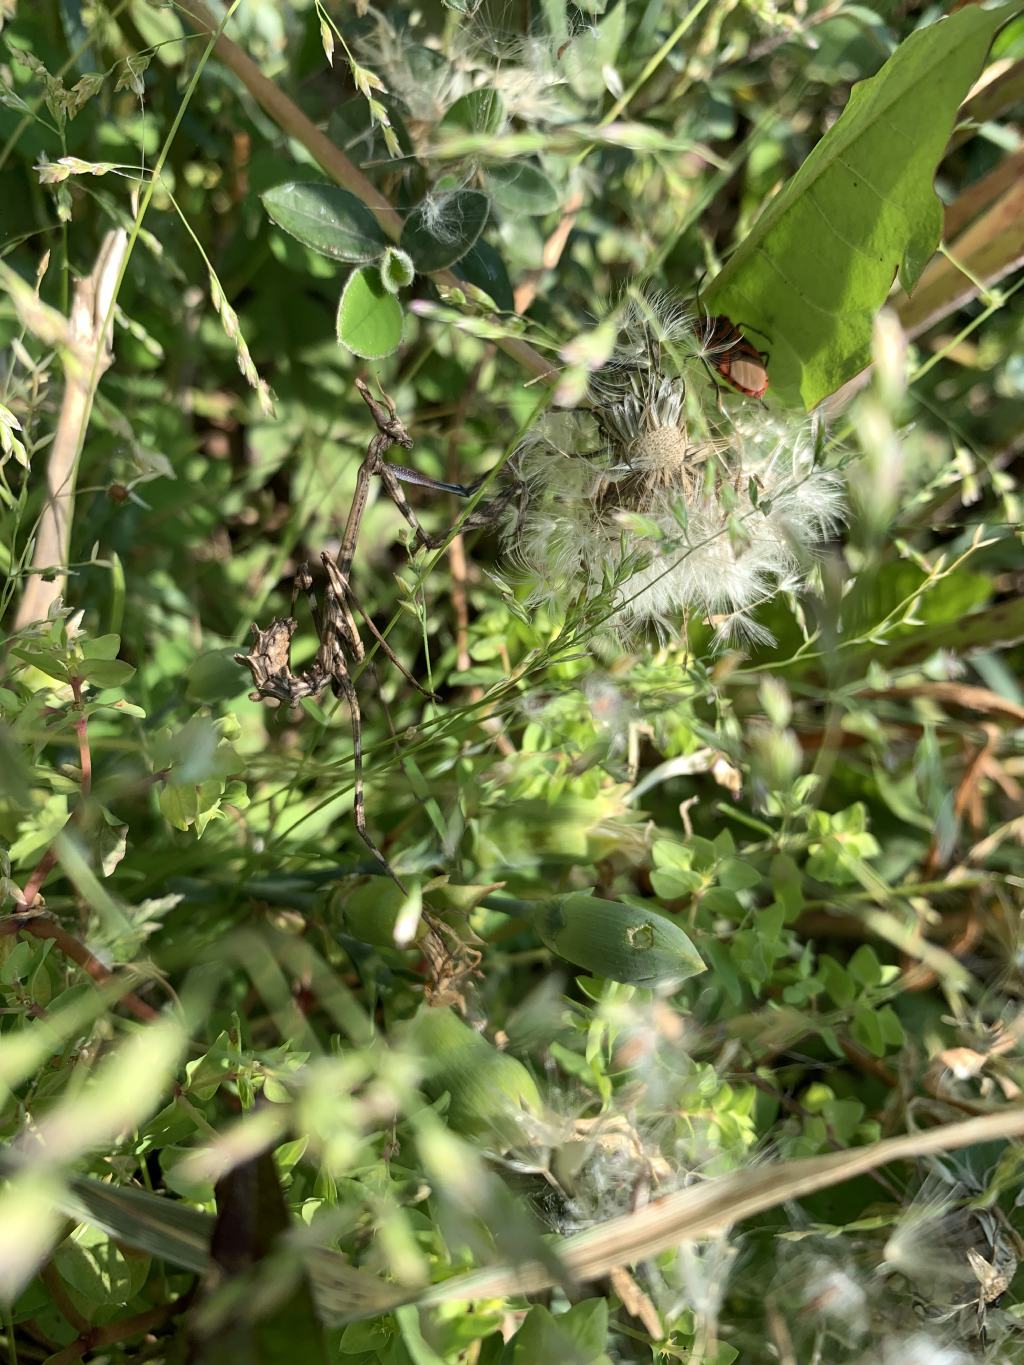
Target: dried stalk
column 87, row 357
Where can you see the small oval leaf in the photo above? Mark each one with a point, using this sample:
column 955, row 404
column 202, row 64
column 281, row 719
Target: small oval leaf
column 327, row 219
column 440, row 231
column 369, row 318
column 396, row 270
column 105, row 672
column 521, row 187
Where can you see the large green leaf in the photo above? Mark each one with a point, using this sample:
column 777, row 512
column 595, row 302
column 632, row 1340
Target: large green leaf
column 818, row 264
column 484, row 267
column 327, row 219
column 616, row 940
column 369, row 318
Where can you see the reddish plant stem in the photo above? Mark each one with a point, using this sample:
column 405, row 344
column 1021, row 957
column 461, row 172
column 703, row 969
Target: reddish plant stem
column 29, row 918
column 39, row 875
column 43, row 926
column 82, row 731
column 48, row 861
column 114, row 1332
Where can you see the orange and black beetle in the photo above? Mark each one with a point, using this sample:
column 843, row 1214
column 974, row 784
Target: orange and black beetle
column 736, row 359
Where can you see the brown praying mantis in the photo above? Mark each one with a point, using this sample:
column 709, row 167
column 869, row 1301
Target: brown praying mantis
column 341, row 647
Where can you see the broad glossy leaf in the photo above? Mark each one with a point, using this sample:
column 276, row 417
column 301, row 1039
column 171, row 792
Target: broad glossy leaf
column 577, row 1337
column 439, row 232
column 808, row 280
column 327, row 219
column 369, row 318
column 99, row 1270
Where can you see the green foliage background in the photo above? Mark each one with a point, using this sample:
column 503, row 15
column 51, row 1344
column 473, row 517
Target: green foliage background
column 830, row 824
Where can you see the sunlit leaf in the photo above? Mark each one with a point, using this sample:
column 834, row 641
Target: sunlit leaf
column 519, row 187
column 807, row 281
column 369, row 319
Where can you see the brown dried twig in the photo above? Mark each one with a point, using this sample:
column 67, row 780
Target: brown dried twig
column 341, row 649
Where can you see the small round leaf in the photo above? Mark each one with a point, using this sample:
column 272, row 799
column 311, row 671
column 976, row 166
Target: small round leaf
column 479, row 111
column 369, row 318
column 441, row 230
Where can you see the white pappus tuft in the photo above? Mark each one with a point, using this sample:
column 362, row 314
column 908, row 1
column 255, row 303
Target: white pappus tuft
column 688, row 506
column 525, row 72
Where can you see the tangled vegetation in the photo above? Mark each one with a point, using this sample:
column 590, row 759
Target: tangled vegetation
column 511, row 741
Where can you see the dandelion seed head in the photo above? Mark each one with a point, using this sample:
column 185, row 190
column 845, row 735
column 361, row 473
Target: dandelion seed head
column 656, row 335
column 916, row 1349
column 919, row 1246
column 831, row 1292
column 523, row 71
column 529, row 80
column 689, row 511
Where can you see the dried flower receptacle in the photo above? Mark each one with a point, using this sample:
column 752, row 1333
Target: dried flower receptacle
column 688, row 507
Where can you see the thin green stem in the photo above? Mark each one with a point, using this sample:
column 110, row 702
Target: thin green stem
column 679, row 32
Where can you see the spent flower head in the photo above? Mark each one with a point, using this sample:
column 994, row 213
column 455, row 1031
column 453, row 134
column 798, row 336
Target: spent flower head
column 430, row 76
column 691, row 502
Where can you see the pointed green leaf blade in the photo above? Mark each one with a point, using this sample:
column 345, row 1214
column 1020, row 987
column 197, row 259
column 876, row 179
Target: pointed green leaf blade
column 327, row 219
column 817, row 266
